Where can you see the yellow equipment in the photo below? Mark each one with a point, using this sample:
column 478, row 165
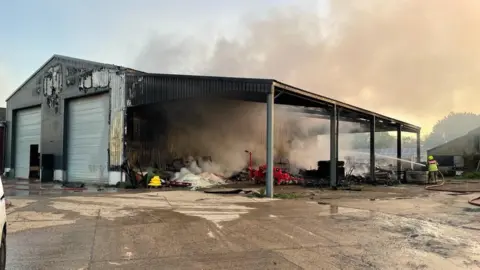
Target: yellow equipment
column 155, row 182
column 430, row 157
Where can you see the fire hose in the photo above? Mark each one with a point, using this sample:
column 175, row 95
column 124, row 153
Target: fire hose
column 436, row 187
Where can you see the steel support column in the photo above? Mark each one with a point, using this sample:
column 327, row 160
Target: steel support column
column 399, row 150
column 333, row 147
column 372, row 148
column 337, row 131
column 418, row 147
column 270, row 120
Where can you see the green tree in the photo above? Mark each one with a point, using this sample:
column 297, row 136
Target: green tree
column 409, row 142
column 382, row 140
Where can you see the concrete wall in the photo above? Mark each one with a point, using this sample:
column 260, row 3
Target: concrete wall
column 60, row 79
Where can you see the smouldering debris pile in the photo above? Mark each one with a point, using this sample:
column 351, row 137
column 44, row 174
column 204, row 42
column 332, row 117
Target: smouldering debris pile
column 196, row 177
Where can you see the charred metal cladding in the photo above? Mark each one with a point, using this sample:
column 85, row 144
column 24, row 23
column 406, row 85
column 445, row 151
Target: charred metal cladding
column 95, row 79
column 158, row 88
column 51, row 89
column 114, row 81
column 52, row 86
column 71, row 75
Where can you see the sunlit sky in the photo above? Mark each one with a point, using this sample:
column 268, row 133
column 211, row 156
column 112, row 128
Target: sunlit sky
column 112, row 31
column 108, row 31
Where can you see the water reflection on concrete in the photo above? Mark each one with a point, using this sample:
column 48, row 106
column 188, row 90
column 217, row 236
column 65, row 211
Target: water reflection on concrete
column 35, row 188
column 334, row 210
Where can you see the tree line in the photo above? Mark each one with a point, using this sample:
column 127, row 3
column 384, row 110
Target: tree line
column 450, row 127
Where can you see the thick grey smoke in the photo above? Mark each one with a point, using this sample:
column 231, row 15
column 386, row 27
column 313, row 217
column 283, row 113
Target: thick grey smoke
column 413, row 59
column 226, row 129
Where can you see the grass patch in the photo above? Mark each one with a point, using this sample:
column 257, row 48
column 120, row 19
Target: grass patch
column 470, row 175
column 472, row 210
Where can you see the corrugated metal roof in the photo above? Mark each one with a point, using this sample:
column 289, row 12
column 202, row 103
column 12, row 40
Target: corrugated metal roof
column 165, row 87
column 456, row 146
column 151, row 88
column 452, row 146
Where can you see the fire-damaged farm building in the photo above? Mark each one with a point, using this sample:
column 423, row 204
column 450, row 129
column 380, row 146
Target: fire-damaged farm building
column 80, row 121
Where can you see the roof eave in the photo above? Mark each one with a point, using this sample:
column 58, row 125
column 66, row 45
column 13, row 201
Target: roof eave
column 343, row 104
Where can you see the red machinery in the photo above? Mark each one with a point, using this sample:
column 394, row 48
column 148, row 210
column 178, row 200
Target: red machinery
column 280, row 176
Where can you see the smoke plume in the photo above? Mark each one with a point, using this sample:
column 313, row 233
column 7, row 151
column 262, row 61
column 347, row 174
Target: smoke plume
column 226, row 130
column 416, row 60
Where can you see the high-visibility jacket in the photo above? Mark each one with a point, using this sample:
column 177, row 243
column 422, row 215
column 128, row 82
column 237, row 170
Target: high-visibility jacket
column 432, row 166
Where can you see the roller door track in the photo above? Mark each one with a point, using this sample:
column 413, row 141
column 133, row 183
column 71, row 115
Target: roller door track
column 87, row 144
column 27, row 132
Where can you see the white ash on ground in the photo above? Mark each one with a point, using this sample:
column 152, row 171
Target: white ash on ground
column 197, row 177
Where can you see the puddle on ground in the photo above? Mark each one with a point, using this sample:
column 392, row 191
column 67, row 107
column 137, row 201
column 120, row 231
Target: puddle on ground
column 413, row 235
column 216, row 213
column 328, row 210
column 35, row 192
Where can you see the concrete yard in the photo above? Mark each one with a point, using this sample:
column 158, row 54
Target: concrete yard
column 389, row 228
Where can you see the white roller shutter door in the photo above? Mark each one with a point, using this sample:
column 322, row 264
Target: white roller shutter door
column 87, row 143
column 27, row 132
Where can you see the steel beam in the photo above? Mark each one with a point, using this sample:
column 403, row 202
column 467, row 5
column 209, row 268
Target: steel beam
column 277, row 95
column 372, row 148
column 399, row 150
column 324, row 101
column 418, row 147
column 333, row 146
column 270, row 120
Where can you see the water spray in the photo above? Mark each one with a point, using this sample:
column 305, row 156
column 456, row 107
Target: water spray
column 392, row 158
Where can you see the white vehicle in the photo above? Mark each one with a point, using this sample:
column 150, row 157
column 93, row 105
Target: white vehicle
column 3, row 223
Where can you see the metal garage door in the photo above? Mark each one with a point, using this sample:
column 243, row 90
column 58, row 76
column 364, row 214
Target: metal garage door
column 87, row 142
column 27, row 132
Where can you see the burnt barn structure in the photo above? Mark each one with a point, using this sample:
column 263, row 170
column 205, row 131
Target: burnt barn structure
column 76, row 116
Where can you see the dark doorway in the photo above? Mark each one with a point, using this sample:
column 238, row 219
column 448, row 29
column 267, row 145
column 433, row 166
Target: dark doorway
column 34, row 162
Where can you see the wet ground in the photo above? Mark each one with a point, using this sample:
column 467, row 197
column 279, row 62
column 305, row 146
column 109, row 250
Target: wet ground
column 378, row 228
column 36, row 188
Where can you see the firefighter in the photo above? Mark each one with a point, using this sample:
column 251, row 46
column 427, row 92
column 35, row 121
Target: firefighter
column 432, row 169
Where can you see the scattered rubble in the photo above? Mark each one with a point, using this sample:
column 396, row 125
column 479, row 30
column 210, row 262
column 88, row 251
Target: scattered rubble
column 200, row 180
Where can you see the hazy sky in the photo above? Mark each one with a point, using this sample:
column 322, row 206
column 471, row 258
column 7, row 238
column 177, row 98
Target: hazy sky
column 112, row 31
column 385, row 55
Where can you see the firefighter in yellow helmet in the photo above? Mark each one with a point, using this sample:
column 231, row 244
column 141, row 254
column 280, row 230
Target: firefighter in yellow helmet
column 432, row 170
